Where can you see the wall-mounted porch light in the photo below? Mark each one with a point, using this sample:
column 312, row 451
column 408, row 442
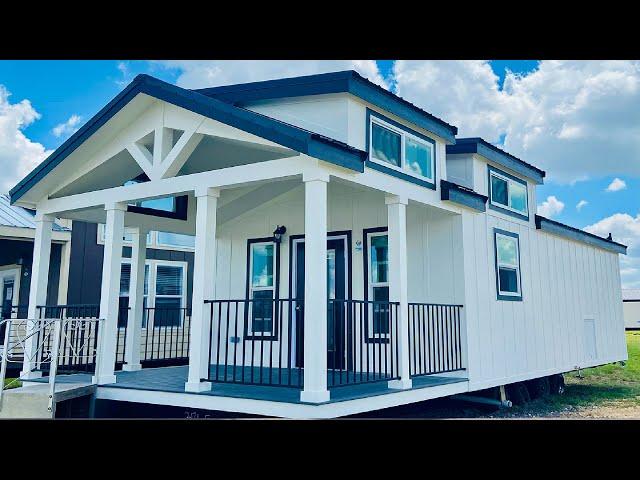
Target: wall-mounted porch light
column 278, row 233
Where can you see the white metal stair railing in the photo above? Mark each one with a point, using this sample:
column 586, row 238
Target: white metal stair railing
column 68, row 333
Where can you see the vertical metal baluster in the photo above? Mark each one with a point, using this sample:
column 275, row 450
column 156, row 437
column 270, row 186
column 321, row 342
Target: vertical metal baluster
column 273, row 326
column 218, row 328
column 289, row 353
column 279, row 338
column 245, row 331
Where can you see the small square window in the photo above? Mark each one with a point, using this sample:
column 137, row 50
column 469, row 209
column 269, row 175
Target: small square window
column 507, row 193
column 499, row 190
column 385, row 144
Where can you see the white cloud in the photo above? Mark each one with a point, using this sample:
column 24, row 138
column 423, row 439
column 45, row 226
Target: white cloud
column 616, row 185
column 565, row 116
column 212, row 73
column 550, row 207
column 625, row 229
column 18, row 154
column 580, row 204
column 67, row 128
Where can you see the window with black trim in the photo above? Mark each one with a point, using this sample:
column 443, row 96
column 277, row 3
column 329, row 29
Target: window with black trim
column 508, row 193
column 507, row 251
column 167, row 295
column 262, row 285
column 399, row 149
column 378, row 282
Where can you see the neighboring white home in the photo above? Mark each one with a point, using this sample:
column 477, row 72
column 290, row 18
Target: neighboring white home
column 351, row 253
column 631, row 308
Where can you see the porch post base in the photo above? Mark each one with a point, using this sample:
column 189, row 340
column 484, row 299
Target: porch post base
column 197, row 387
column 318, row 396
column 134, row 367
column 401, row 384
column 103, row 379
column 30, row 375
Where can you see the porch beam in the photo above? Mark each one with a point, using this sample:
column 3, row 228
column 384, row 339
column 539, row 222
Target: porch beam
column 204, row 278
column 38, row 288
column 136, row 300
column 397, row 235
column 110, row 294
column 315, row 291
column 224, row 178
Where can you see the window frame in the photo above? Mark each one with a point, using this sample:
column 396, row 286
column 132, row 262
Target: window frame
column 404, row 132
column 370, row 336
column 152, row 240
column 151, row 295
column 503, row 295
column 500, row 207
column 248, row 332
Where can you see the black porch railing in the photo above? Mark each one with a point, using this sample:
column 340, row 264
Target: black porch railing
column 362, row 342
column 434, row 339
column 256, row 342
column 261, row 342
column 165, row 336
column 78, row 341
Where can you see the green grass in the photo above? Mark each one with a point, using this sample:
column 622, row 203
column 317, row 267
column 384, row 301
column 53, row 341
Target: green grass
column 611, row 385
column 10, row 383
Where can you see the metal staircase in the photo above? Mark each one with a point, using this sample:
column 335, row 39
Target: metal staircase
column 46, row 346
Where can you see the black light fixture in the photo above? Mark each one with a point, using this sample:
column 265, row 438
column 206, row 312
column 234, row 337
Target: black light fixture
column 278, row 233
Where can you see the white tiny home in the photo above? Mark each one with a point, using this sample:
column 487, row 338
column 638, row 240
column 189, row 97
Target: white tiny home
column 351, row 253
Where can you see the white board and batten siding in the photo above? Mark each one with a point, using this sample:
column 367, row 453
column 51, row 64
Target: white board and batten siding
column 570, row 314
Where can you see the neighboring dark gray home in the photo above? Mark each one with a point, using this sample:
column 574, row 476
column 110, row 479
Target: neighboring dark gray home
column 17, row 230
column 76, row 270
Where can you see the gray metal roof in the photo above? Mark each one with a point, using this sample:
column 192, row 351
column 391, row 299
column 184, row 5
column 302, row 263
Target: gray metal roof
column 15, row 216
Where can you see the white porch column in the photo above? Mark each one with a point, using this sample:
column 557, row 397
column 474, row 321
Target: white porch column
column 38, row 289
column 110, row 294
column 204, row 278
column 397, row 224
column 136, row 299
column 315, row 290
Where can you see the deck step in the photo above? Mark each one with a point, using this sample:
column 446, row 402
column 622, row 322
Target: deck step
column 32, row 401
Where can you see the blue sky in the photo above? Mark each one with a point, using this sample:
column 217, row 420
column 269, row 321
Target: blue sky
column 482, row 99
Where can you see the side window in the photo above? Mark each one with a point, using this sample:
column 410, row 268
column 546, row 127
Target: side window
column 262, row 262
column 508, row 194
column 169, row 295
column 507, row 251
column 378, row 282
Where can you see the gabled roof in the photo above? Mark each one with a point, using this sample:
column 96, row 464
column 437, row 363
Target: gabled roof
column 15, row 216
column 348, row 81
column 495, row 154
column 290, row 136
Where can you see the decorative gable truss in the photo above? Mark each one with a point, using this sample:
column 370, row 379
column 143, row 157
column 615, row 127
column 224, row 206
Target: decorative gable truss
column 157, row 143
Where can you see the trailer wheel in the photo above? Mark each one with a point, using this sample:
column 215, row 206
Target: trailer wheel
column 538, row 387
column 556, row 384
column 518, row 393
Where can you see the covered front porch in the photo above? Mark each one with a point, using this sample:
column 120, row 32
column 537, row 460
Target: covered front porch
column 345, row 298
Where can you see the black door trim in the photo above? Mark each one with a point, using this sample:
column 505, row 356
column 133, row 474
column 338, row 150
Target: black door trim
column 348, row 287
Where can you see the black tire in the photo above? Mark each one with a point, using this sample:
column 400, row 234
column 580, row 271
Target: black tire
column 556, row 384
column 518, row 393
column 538, row 387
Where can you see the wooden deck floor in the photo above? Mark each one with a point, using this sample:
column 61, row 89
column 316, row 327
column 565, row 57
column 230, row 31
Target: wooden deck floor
column 172, row 379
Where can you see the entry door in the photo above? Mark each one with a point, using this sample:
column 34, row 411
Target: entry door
column 335, row 290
